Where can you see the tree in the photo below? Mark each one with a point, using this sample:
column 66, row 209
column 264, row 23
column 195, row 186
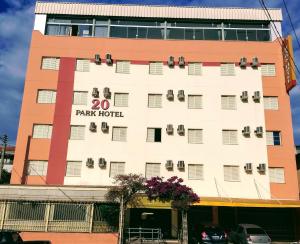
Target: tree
column 125, row 191
column 180, row 196
column 5, row 179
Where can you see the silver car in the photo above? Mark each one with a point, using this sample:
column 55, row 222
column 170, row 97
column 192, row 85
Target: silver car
column 249, row 234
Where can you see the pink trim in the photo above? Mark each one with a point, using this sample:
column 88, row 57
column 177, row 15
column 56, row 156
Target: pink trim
column 61, row 123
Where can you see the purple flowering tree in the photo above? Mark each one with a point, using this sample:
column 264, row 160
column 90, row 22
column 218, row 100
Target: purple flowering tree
column 172, row 190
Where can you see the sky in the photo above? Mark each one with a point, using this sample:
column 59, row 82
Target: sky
column 16, row 23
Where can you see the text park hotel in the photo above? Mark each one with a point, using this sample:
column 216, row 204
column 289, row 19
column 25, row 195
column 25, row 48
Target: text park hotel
column 201, row 93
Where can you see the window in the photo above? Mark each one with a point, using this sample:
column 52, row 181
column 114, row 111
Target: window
column 156, row 68
column 77, row 132
column 119, row 133
column 271, row 103
column 37, row 167
column 228, row 102
column 116, row 168
column 50, row 63
column 228, row 69
column 230, row 137
column 42, row 131
column 154, row 100
column 276, row 175
column 231, row 173
column 195, row 136
column 121, row 100
column 195, row 68
column 73, row 168
column 83, row 65
column 123, row 67
column 152, row 170
column 268, row 70
column 80, row 98
column 194, row 101
column 153, row 134
column 195, row 172
column 46, row 96
column 273, row 138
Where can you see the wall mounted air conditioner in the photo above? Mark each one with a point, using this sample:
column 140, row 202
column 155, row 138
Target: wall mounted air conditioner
column 170, row 129
column 93, row 127
column 256, row 96
column 259, row 131
column 170, row 95
column 261, row 168
column 181, row 95
column 246, row 131
column 90, row 163
column 102, row 163
column 180, row 165
column 108, row 59
column 244, row 96
column 106, row 93
column 180, row 130
column 95, row 92
column 97, row 59
column 171, row 61
column 255, row 62
column 104, row 127
column 181, row 61
column 169, row 164
column 243, row 62
column 248, row 167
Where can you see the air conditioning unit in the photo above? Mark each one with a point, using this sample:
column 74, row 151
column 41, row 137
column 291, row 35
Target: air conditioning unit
column 248, row 167
column 102, row 163
column 244, row 96
column 93, row 127
column 90, row 163
column 169, row 164
column 246, row 131
column 106, row 93
column 181, row 62
column 181, row 95
column 170, row 95
column 180, row 165
column 97, row 59
column 171, row 61
column 180, row 130
column 169, row 129
column 256, row 96
column 259, row 131
column 108, row 59
column 95, row 92
column 243, row 62
column 255, row 62
column 104, row 127
column 261, row 168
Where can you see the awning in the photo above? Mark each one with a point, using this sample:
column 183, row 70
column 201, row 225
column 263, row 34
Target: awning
column 223, row 202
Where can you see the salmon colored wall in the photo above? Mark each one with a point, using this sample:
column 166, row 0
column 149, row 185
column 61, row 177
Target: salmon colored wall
column 159, row 50
column 72, row 238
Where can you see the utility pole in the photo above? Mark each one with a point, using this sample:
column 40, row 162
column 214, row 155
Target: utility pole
column 4, row 140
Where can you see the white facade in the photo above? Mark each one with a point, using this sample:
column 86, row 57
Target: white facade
column 136, row 151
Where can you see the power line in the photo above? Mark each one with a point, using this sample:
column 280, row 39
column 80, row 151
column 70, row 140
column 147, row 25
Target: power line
column 291, row 22
column 278, row 35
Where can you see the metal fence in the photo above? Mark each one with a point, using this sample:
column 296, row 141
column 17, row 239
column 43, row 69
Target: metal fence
column 58, row 217
column 141, row 235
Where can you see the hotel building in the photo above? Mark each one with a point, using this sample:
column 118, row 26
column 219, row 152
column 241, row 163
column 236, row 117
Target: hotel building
column 200, row 93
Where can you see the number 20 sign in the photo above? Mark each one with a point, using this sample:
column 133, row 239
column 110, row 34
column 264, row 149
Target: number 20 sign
column 103, row 104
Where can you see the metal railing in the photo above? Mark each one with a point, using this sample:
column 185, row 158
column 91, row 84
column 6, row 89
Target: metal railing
column 141, row 235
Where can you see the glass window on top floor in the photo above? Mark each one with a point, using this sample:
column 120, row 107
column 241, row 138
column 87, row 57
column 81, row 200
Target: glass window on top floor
column 247, row 31
column 69, row 26
column 146, row 29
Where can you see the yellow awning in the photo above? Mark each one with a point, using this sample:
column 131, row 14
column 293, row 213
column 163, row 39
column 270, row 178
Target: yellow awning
column 143, row 202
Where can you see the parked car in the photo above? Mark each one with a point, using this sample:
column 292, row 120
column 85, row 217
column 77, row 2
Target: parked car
column 209, row 234
column 249, row 234
column 13, row 237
